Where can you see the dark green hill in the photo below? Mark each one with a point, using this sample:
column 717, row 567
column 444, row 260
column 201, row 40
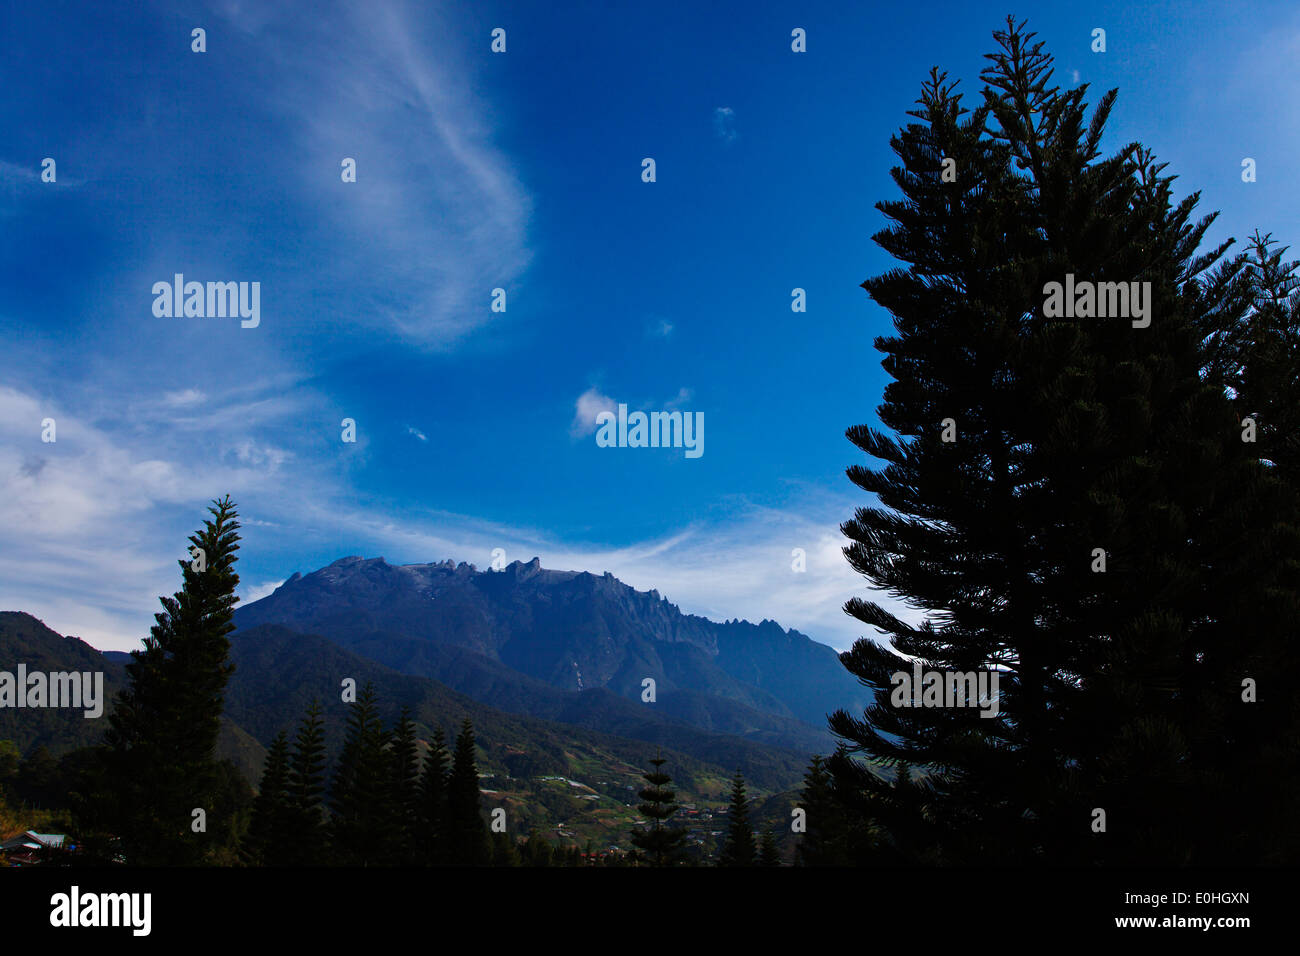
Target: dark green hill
column 278, row 672
column 597, row 708
column 26, row 640
column 573, row 783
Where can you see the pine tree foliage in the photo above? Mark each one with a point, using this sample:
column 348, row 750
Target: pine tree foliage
column 738, row 847
column 503, row 851
column 362, row 821
column 1075, row 437
column 405, row 788
column 1256, row 360
column 768, row 853
column 433, row 802
column 660, row 844
column 465, row 832
column 304, row 826
column 1257, row 356
column 825, row 840
column 265, row 841
column 537, row 850
column 162, row 736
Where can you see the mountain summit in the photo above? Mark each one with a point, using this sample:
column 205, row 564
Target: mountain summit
column 514, row 637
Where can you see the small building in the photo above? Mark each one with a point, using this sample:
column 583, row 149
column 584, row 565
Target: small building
column 28, row 848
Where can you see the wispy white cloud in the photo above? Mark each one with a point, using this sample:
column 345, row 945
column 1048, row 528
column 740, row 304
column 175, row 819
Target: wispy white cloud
column 259, row 591
column 592, row 402
column 432, row 226
column 233, row 408
column 20, row 182
column 683, row 396
column 741, row 566
column 92, row 528
column 93, row 523
column 183, row 398
column 267, row 458
column 12, row 174
column 17, row 172
column 724, row 124
column 589, row 404
column 660, row 329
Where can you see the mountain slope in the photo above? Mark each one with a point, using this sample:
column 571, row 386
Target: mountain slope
column 279, row 672
column 26, row 640
column 503, row 636
column 491, row 681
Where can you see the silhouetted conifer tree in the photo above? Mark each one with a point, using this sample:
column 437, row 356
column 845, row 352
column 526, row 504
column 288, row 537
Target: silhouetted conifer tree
column 466, row 833
column 362, row 822
column 161, row 742
column 1066, row 495
column 433, row 802
column 504, row 852
column 406, row 790
column 825, row 840
column 1256, row 359
column 305, row 836
column 537, row 850
column 266, row 841
column 1258, row 356
column 661, row 844
column 738, row 848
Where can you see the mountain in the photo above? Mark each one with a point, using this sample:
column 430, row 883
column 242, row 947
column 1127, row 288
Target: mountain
column 571, row 780
column 278, row 672
column 549, row 665
column 25, row 639
column 532, row 640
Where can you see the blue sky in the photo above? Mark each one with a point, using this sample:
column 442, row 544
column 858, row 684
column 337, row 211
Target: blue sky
column 522, row 171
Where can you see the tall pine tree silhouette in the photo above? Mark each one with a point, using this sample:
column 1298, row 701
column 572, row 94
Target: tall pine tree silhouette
column 432, row 811
column 304, row 837
column 465, row 833
column 160, row 759
column 738, row 847
column 660, row 844
column 265, row 843
column 405, row 789
column 1065, row 495
column 361, row 824
column 1255, row 359
column 1258, row 356
column 825, row 840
